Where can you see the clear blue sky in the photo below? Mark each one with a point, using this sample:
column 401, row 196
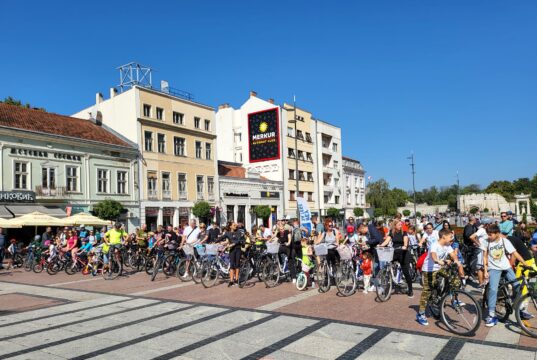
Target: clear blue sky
column 454, row 81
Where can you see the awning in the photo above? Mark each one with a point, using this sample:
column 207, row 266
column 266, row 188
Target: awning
column 19, row 210
column 4, row 213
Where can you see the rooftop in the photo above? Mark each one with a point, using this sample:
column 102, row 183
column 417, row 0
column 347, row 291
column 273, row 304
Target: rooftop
column 38, row 121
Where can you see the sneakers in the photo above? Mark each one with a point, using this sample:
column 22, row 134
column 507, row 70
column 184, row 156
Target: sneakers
column 524, row 315
column 365, row 291
column 185, row 275
column 457, row 303
column 231, row 283
column 410, row 293
column 372, row 288
column 491, row 321
column 422, row 319
column 294, row 281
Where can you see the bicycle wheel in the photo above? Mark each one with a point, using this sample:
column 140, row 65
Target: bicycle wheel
column 345, row 280
column 384, row 284
column 323, row 277
column 259, row 267
column 69, row 268
column 271, row 273
column 209, row 274
column 113, row 270
column 527, row 304
column 244, row 273
column 149, row 264
column 413, row 271
column 38, row 267
column 460, row 312
column 18, row 261
column 53, row 268
column 29, row 263
column 182, row 273
column 301, row 281
column 195, row 270
column 169, row 267
column 156, row 268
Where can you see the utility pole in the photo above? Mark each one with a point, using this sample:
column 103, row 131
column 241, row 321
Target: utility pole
column 412, row 164
column 296, row 159
column 458, row 193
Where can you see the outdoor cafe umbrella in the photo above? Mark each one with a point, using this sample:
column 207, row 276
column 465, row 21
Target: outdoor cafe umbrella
column 84, row 219
column 7, row 224
column 35, row 219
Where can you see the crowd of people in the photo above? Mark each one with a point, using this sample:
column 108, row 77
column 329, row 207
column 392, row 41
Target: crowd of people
column 486, row 250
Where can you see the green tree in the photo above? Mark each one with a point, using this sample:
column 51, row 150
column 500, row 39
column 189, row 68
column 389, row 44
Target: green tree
column 418, row 214
column 406, row 212
column 108, row 209
column 378, row 212
column 262, row 211
column 12, row 101
column 201, row 210
column 358, row 212
column 400, row 196
column 502, row 187
column 474, row 210
column 333, row 213
column 379, row 196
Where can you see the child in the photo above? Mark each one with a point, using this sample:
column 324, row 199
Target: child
column 12, row 250
column 367, row 268
column 307, row 254
column 53, row 249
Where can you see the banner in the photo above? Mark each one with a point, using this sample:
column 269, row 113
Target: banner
column 305, row 213
column 264, row 135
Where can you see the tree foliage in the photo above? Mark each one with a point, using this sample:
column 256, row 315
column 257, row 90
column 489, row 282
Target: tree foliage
column 108, row 209
column 12, row 101
column 333, row 213
column 262, row 211
column 201, row 209
column 358, row 212
column 406, row 212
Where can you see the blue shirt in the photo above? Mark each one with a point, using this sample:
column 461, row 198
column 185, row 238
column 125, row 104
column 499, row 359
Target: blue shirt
column 506, row 227
column 86, row 247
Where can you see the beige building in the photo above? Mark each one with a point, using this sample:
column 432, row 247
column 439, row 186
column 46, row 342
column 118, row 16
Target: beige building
column 177, row 141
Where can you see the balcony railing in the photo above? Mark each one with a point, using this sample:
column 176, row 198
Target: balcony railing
column 200, row 196
column 182, row 195
column 58, row 191
column 166, row 194
column 152, row 194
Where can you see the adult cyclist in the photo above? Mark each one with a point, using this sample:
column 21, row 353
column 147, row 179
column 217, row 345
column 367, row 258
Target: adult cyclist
column 114, row 238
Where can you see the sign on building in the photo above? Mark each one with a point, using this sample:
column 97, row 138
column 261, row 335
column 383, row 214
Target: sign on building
column 17, row 196
column 264, row 135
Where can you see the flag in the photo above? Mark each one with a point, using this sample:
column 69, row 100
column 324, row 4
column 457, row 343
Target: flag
column 305, row 213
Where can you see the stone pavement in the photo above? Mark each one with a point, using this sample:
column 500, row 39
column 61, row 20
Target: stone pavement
column 57, row 317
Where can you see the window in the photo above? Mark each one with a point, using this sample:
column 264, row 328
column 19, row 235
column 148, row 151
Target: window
column 301, row 176
column 290, row 132
column 308, row 137
column 300, row 155
column 121, row 182
column 207, row 125
column 21, row 176
column 238, row 138
column 336, row 182
column 299, row 135
column 71, row 173
column 102, row 181
column 199, row 186
column 152, row 185
column 308, row 157
column 291, row 174
column 210, row 187
column 240, row 157
column 198, row 149
column 147, row 110
column 326, row 199
column 336, row 199
column 161, row 143
column 230, row 212
column 208, row 151
column 148, row 140
column 160, row 113
column 178, row 146
column 197, row 122
column 291, row 153
column 310, row 176
column 334, row 146
column 348, row 199
column 310, row 196
column 166, row 190
column 48, row 178
column 241, row 213
column 292, row 196
column 181, row 181
column 178, row 118
column 356, row 198
column 336, row 164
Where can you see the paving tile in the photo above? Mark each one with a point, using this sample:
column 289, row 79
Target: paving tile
column 398, row 345
column 483, row 352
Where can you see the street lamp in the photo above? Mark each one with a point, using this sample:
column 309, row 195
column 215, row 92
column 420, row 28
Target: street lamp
column 412, row 164
column 294, row 121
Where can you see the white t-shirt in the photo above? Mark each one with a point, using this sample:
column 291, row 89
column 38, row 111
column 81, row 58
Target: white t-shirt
column 412, row 240
column 496, row 254
column 482, row 237
column 431, row 239
column 442, row 252
column 267, row 234
column 191, row 235
column 353, row 239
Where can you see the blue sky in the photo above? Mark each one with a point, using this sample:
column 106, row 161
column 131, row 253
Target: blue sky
column 453, row 81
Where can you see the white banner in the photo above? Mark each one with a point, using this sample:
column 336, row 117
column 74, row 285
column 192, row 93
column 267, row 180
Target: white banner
column 305, row 213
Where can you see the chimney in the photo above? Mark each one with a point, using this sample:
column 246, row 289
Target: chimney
column 253, row 93
column 113, row 92
column 271, row 100
column 98, row 98
column 223, row 106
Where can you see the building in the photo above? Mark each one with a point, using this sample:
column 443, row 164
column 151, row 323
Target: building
column 495, row 204
column 177, row 141
column 329, row 166
column 241, row 191
column 261, row 136
column 354, row 186
column 62, row 165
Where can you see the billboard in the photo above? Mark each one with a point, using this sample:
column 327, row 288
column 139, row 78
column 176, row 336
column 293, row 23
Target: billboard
column 264, row 135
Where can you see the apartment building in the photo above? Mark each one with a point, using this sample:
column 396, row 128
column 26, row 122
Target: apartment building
column 354, row 185
column 177, row 141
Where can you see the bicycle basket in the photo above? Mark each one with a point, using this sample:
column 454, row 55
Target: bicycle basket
column 273, row 247
column 345, row 252
column 211, row 249
column 321, row 250
column 385, row 253
column 188, row 249
column 201, row 250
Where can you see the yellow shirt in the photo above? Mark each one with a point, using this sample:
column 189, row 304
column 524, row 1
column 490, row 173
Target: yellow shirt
column 115, row 236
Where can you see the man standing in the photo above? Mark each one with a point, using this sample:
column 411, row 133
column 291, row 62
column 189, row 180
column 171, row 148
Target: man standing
column 141, row 236
column 506, row 225
column 191, row 232
column 2, row 248
column 46, row 238
column 213, row 233
column 296, row 247
column 469, row 230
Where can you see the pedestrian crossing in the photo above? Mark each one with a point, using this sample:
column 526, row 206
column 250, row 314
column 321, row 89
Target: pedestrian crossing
column 133, row 327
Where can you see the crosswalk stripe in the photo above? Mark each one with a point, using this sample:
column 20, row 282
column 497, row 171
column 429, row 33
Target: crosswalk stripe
column 75, row 282
column 289, row 300
column 502, row 334
column 365, row 345
column 151, row 291
column 68, row 294
column 450, row 350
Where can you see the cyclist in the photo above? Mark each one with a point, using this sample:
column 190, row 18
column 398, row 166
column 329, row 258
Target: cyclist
column 437, row 256
column 506, row 225
column 429, row 237
column 529, row 261
column 284, row 238
column 331, row 237
column 113, row 239
column 72, row 245
column 480, row 238
column 496, row 262
column 399, row 240
column 234, row 239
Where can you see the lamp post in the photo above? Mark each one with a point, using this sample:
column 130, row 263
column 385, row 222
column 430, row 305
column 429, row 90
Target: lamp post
column 296, row 156
column 412, row 164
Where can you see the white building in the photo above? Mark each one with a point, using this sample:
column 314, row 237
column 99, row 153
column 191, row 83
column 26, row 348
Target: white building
column 354, row 186
column 329, row 166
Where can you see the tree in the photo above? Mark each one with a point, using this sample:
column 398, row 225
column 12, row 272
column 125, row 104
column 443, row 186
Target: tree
column 381, row 197
column 486, row 210
column 108, row 209
column 474, row 210
column 12, row 101
column 406, row 212
column 262, row 211
column 358, row 212
column 332, row 212
column 201, row 210
column 525, row 218
column 418, row 214
column 503, row 187
column 378, row 212
column 400, row 196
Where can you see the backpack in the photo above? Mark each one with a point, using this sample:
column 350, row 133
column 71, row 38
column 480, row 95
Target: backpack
column 297, row 235
column 421, row 260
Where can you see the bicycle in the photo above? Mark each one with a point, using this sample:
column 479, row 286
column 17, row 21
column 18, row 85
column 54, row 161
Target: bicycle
column 527, row 303
column 158, row 263
column 195, row 257
column 458, row 310
column 72, row 268
column 324, row 271
column 276, row 265
column 30, row 258
column 114, row 268
column 389, row 276
column 252, row 264
column 346, row 281
column 216, row 266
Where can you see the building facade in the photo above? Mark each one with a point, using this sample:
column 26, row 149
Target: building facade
column 241, row 191
column 62, row 165
column 354, row 186
column 177, row 141
column 329, row 166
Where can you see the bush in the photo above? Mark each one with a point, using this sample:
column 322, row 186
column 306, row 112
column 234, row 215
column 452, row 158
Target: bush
column 201, row 210
column 262, row 211
column 406, row 212
column 333, row 213
column 418, row 214
column 474, row 210
column 378, row 212
column 358, row 212
column 108, row 209
column 486, row 210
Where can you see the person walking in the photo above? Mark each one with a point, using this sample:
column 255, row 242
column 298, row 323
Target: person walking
column 2, row 248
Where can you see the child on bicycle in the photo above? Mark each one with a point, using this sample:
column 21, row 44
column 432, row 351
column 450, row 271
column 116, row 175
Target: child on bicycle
column 12, row 250
column 438, row 255
column 307, row 258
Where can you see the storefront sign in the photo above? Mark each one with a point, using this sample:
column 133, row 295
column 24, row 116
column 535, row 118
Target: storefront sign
column 270, row 194
column 151, row 211
column 236, row 194
column 44, row 154
column 168, row 211
column 17, row 196
column 264, row 135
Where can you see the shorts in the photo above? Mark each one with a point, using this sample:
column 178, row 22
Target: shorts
column 479, row 255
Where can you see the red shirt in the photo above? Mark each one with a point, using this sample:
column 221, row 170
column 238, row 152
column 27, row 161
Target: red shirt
column 366, row 267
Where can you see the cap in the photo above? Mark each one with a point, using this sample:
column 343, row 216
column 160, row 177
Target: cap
column 486, row 221
column 509, row 212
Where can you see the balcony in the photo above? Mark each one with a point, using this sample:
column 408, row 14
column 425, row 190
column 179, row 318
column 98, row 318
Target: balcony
column 166, row 194
column 55, row 192
column 182, row 195
column 152, row 194
column 211, row 197
column 200, row 196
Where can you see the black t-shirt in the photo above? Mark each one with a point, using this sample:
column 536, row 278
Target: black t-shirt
column 173, row 239
column 469, row 230
column 213, row 235
column 234, row 237
column 397, row 239
column 283, row 237
column 520, row 247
